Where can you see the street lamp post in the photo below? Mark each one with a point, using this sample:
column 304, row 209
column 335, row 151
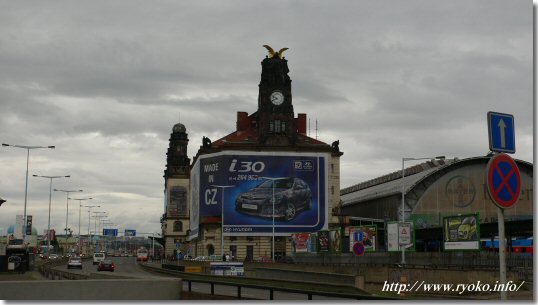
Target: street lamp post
column 403, row 196
column 26, row 186
column 79, row 208
column 222, row 187
column 152, row 243
column 50, row 199
column 102, row 222
column 109, row 224
column 89, row 210
column 105, row 224
column 273, row 202
column 95, row 217
column 67, row 206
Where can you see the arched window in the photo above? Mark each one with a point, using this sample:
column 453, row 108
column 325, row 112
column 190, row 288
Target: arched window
column 178, row 226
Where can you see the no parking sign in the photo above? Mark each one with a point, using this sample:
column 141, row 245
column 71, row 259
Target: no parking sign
column 504, row 180
column 358, row 249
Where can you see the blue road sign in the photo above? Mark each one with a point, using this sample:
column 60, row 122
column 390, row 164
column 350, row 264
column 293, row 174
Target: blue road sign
column 501, row 131
column 110, row 232
column 130, row 233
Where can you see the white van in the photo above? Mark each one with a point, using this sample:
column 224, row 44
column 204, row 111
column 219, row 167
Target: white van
column 98, row 257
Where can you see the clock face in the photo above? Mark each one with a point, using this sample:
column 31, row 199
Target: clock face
column 277, row 98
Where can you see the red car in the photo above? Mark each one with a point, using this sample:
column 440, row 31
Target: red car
column 106, row 265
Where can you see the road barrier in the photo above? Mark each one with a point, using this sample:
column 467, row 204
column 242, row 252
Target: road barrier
column 269, row 285
column 114, row 289
column 434, row 260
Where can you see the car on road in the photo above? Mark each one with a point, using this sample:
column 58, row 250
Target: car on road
column 53, row 256
column 106, row 265
column 74, row 262
column 16, row 244
column 98, row 257
column 291, row 196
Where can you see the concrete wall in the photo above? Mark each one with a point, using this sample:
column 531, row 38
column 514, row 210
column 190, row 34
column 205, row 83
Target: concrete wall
column 116, row 289
column 303, row 276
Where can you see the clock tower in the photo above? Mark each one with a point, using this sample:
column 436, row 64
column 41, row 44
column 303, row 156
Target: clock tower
column 175, row 219
column 275, row 109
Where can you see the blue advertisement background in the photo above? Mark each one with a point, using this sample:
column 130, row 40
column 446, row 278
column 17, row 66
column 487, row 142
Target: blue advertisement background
column 244, row 172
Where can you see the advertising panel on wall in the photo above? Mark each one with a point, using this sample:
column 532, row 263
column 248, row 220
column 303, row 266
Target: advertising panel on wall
column 365, row 234
column 249, row 182
column 300, row 242
column 461, row 232
column 393, row 233
column 335, row 237
column 194, row 216
column 323, row 241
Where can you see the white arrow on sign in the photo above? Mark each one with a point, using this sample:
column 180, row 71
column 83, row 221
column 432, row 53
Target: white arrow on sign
column 502, row 127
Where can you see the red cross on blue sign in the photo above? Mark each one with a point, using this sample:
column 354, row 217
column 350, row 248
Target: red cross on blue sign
column 358, row 248
column 504, row 180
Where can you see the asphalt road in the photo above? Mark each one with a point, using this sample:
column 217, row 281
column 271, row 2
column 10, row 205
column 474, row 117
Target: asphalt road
column 125, row 266
column 129, row 267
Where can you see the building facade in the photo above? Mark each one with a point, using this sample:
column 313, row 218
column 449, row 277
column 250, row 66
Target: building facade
column 269, row 147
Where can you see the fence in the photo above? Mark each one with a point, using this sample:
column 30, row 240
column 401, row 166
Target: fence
column 463, row 260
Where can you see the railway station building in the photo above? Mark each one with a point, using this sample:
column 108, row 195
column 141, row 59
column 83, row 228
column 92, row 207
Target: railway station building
column 437, row 189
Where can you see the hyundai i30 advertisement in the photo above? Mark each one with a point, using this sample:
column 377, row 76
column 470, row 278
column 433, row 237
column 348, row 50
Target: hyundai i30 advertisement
column 253, row 191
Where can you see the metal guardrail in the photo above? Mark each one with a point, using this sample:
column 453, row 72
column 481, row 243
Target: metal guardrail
column 47, row 270
column 219, row 280
column 273, row 289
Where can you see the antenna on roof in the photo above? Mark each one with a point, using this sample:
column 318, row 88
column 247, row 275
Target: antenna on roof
column 317, row 129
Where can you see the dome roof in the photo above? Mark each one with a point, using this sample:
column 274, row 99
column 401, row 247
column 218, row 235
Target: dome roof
column 179, row 128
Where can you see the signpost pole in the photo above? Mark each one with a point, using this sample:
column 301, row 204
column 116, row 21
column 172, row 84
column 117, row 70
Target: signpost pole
column 502, row 251
column 502, row 139
column 403, row 211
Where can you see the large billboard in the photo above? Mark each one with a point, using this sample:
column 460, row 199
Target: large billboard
column 461, row 232
column 259, row 190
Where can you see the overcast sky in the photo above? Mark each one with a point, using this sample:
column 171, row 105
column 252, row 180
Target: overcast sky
column 105, row 81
